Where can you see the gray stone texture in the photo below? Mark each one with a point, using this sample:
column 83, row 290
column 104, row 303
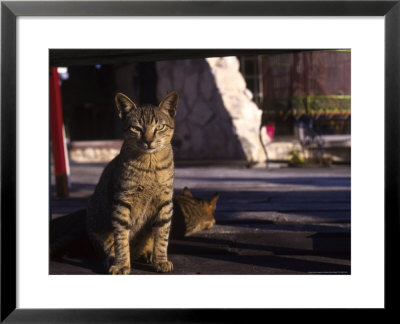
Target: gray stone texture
column 216, row 117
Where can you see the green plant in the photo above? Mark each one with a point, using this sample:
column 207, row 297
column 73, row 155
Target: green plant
column 295, row 158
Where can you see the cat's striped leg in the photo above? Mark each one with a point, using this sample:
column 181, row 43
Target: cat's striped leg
column 108, row 249
column 121, row 228
column 161, row 229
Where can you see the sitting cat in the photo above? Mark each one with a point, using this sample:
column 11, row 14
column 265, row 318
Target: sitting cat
column 130, row 211
column 68, row 234
column 134, row 193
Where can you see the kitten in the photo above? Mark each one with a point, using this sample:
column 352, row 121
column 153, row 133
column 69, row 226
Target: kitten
column 134, row 193
column 68, row 234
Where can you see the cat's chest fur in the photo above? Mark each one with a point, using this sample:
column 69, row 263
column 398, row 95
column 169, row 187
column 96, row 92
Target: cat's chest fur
column 141, row 184
column 147, row 177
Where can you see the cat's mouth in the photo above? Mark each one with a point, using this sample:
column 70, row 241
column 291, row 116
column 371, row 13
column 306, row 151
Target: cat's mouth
column 147, row 150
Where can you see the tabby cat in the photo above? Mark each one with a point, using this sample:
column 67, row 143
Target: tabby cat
column 68, row 234
column 134, row 193
column 192, row 214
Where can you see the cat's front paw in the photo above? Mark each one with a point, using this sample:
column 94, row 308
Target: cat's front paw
column 117, row 270
column 163, row 266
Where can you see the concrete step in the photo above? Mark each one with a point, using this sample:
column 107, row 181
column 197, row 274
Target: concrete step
column 244, row 250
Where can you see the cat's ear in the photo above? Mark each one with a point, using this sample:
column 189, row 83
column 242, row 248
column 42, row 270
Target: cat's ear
column 186, row 192
column 170, row 103
column 213, row 200
column 124, row 104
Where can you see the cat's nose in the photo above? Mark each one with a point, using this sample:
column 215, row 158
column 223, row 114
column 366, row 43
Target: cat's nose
column 148, row 138
column 147, row 143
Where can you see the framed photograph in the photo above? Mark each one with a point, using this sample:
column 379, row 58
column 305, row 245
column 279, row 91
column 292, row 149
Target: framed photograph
column 267, row 253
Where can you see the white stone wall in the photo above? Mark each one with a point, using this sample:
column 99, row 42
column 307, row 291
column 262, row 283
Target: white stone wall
column 216, row 117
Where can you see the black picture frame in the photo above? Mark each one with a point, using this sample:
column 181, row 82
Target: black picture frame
column 10, row 10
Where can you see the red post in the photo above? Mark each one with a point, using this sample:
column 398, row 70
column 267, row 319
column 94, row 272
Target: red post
column 60, row 157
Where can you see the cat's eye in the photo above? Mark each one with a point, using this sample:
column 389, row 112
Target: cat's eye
column 135, row 129
column 160, row 127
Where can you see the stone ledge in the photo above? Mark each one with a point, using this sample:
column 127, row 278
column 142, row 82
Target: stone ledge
column 94, row 151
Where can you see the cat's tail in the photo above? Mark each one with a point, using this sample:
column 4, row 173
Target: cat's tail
column 68, row 235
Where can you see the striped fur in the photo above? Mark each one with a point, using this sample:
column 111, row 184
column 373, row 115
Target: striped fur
column 134, row 193
column 191, row 214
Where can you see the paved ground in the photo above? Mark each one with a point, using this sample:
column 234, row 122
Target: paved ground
column 269, row 221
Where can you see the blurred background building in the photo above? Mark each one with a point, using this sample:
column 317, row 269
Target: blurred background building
column 243, row 108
